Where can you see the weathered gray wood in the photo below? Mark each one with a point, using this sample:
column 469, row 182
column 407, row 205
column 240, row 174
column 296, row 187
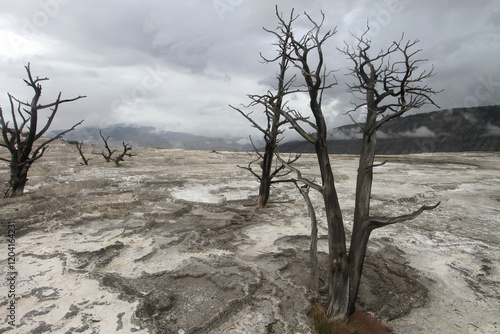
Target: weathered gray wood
column 273, row 105
column 389, row 90
column 21, row 144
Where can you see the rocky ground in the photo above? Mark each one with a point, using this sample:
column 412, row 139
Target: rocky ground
column 170, row 243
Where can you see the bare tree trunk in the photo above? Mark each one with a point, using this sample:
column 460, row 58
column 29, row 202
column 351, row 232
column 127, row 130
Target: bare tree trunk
column 313, row 248
column 17, row 182
column 364, row 178
column 273, row 108
column 389, row 91
column 20, row 144
column 378, row 80
column 357, row 252
column 266, row 178
column 315, row 81
column 338, row 284
column 361, row 226
column 79, row 146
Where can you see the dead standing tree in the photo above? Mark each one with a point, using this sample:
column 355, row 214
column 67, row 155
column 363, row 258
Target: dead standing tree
column 21, row 137
column 108, row 154
column 273, row 105
column 126, row 149
column 79, row 146
column 315, row 77
column 388, row 85
column 345, row 268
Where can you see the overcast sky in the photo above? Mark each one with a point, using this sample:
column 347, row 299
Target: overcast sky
column 176, row 65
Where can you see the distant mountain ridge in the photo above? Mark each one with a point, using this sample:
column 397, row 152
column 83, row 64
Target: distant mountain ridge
column 148, row 136
column 452, row 130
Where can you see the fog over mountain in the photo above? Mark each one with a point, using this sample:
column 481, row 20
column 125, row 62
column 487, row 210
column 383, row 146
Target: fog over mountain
column 149, row 136
column 455, row 130
column 176, row 65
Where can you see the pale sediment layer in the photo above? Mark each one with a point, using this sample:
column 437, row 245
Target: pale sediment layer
column 170, row 243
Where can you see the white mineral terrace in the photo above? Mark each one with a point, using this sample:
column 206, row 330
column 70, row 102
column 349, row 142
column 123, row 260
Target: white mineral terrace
column 170, row 242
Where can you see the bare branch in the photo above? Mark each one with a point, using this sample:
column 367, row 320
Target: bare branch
column 250, row 119
column 377, row 222
column 126, row 149
column 313, row 248
column 359, row 125
column 79, row 146
column 294, row 121
column 300, row 178
column 388, row 86
column 377, row 165
column 8, row 143
column 259, row 158
column 47, row 142
column 54, row 111
column 107, row 156
column 59, row 101
column 276, row 177
column 250, row 169
column 17, row 132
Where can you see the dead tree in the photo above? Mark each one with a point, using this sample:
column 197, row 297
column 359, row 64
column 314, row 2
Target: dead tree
column 20, row 137
column 108, row 154
column 387, row 85
column 80, row 150
column 315, row 78
column 273, row 105
column 345, row 268
column 126, row 149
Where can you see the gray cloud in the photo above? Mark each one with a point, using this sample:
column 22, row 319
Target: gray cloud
column 177, row 65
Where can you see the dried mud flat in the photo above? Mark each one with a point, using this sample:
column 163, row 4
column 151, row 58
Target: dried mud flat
column 170, row 243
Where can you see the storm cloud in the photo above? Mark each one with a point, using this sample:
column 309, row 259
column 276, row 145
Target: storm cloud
column 177, row 65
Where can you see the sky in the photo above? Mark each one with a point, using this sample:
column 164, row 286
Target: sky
column 177, row 65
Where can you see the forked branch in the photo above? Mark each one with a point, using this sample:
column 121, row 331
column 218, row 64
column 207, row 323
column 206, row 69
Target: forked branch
column 391, row 79
column 300, row 178
column 126, row 149
column 108, row 154
column 79, row 146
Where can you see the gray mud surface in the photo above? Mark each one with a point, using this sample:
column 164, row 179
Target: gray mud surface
column 170, row 242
